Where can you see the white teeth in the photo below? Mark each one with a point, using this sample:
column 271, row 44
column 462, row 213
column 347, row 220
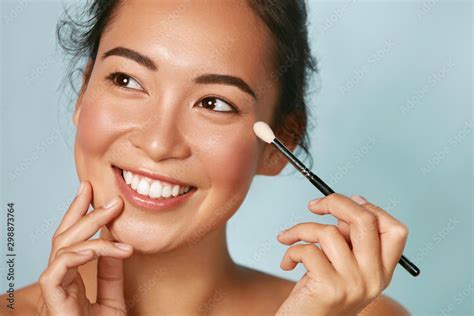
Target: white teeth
column 135, row 181
column 153, row 188
column 175, row 190
column 166, row 191
column 143, row 187
column 127, row 175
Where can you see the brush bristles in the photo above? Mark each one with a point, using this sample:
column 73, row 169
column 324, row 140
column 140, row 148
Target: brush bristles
column 263, row 131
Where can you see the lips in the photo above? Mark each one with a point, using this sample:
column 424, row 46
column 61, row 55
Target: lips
column 149, row 193
column 151, row 187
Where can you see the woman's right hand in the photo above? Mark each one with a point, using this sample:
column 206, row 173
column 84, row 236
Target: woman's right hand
column 62, row 288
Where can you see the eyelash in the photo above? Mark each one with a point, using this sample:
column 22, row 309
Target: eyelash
column 113, row 76
column 233, row 111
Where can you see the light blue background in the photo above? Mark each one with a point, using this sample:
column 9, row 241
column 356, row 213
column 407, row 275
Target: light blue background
column 393, row 108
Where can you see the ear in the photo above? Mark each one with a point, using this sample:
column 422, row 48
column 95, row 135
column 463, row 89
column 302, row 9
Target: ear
column 85, row 80
column 272, row 160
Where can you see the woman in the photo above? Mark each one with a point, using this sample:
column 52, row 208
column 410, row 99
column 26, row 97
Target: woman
column 166, row 153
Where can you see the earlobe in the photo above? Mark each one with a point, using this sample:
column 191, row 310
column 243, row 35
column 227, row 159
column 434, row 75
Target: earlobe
column 77, row 107
column 75, row 116
column 273, row 161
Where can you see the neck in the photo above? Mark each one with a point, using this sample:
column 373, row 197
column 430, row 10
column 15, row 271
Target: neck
column 188, row 280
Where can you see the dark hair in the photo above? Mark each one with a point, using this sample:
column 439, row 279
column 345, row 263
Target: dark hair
column 294, row 64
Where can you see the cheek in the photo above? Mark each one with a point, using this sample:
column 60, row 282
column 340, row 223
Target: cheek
column 97, row 127
column 230, row 158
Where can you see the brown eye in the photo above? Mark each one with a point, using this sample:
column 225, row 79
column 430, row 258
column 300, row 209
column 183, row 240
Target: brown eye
column 123, row 80
column 216, row 104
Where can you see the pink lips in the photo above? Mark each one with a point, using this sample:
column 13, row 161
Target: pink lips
column 145, row 202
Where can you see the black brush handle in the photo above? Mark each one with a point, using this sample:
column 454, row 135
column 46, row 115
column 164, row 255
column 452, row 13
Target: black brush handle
column 326, row 190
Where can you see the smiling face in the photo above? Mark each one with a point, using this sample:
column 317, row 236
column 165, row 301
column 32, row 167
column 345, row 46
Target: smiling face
column 170, row 93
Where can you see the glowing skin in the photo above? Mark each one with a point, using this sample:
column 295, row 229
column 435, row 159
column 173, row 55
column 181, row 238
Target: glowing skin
column 164, row 129
column 180, row 264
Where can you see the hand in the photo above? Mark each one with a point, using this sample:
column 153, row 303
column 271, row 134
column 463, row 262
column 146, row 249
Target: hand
column 354, row 262
column 62, row 288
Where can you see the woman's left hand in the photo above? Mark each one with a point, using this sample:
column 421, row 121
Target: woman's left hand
column 354, row 262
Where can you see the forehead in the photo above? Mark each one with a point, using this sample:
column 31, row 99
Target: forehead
column 220, row 36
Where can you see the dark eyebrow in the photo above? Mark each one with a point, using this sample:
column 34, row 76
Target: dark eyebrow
column 228, row 80
column 205, row 78
column 133, row 55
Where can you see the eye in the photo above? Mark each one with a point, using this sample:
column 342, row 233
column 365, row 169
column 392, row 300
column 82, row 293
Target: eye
column 123, row 80
column 216, row 104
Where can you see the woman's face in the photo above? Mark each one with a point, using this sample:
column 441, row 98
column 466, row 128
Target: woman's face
column 158, row 116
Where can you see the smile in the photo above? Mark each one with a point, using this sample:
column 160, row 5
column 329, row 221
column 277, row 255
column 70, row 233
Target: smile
column 153, row 188
column 146, row 192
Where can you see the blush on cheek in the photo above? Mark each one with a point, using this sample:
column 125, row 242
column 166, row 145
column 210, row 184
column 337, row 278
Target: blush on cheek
column 97, row 128
column 232, row 162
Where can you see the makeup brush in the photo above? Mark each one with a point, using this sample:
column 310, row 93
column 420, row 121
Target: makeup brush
column 265, row 133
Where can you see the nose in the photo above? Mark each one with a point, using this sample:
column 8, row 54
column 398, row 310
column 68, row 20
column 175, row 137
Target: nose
column 160, row 137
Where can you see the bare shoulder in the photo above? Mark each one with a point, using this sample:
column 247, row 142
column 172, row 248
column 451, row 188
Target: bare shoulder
column 274, row 290
column 264, row 292
column 24, row 301
column 384, row 305
column 263, row 281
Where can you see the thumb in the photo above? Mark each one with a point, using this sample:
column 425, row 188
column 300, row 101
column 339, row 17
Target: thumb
column 110, row 283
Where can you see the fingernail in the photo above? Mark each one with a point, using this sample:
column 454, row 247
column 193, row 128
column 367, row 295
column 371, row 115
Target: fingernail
column 359, row 199
column 84, row 252
column 81, row 188
column 111, row 203
column 315, row 201
column 122, row 246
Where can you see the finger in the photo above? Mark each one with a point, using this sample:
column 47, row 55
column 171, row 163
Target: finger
column 109, row 274
column 77, row 209
column 110, row 283
column 313, row 259
column 364, row 231
column 89, row 224
column 330, row 239
column 100, row 247
column 345, row 231
column 393, row 235
column 386, row 220
column 51, row 279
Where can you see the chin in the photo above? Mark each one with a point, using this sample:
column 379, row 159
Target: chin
column 144, row 236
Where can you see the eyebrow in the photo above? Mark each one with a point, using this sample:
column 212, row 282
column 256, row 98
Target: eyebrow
column 227, row 80
column 133, row 55
column 202, row 79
